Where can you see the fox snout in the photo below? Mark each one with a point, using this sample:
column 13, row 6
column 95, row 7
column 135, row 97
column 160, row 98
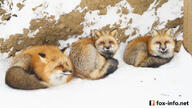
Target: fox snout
column 163, row 49
column 107, row 48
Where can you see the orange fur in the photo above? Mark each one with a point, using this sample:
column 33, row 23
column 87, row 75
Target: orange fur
column 161, row 36
column 45, row 67
column 142, row 50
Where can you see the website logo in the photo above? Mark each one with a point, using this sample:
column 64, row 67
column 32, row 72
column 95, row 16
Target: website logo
column 152, row 102
column 168, row 103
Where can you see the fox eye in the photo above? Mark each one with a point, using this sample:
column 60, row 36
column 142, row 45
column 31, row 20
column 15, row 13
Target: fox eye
column 61, row 66
column 102, row 42
column 166, row 42
column 158, row 42
column 42, row 55
column 67, row 64
column 110, row 42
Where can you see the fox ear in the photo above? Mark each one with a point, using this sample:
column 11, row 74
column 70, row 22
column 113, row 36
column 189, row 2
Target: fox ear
column 154, row 32
column 114, row 33
column 42, row 57
column 97, row 33
column 170, row 32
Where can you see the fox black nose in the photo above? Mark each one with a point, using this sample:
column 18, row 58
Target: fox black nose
column 163, row 49
column 108, row 47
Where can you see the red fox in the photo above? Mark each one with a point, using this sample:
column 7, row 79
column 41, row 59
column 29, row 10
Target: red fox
column 39, row 67
column 93, row 57
column 150, row 51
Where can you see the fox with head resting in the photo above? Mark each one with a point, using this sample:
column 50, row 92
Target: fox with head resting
column 93, row 57
column 150, row 51
column 39, row 67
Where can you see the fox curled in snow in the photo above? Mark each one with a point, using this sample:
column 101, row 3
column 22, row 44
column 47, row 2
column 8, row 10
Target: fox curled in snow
column 39, row 67
column 150, row 51
column 93, row 57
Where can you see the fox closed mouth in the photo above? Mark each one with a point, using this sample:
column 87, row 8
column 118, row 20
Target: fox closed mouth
column 163, row 52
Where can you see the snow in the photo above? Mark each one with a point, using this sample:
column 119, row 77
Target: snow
column 174, row 10
column 127, row 87
column 26, row 14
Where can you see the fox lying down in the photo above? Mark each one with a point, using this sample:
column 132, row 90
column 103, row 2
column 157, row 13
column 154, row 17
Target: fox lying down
column 39, row 67
column 150, row 51
column 93, row 57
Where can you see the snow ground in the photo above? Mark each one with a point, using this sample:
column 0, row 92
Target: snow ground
column 127, row 87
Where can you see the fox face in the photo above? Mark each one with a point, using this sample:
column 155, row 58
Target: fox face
column 59, row 70
column 162, row 43
column 106, row 43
